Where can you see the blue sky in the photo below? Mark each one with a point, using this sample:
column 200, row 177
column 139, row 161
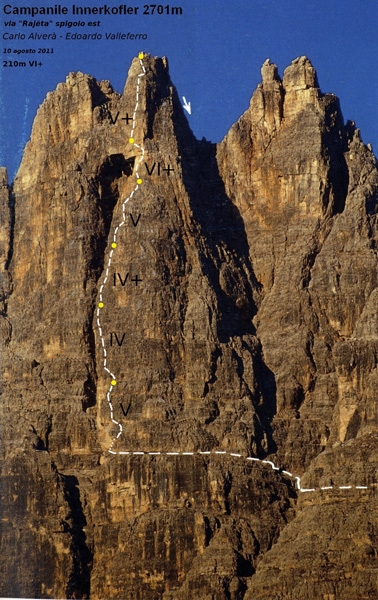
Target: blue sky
column 215, row 51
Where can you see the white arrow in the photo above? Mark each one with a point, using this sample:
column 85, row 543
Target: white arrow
column 187, row 105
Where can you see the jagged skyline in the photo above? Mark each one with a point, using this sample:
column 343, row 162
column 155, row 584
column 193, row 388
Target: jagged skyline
column 215, row 52
column 189, row 348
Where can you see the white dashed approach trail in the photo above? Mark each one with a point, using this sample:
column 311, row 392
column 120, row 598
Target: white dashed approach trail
column 248, row 459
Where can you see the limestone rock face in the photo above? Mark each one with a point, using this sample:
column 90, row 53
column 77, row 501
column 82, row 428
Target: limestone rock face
column 186, row 328
column 307, row 223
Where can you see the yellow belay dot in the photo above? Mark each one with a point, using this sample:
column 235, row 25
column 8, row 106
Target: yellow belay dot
column 114, row 245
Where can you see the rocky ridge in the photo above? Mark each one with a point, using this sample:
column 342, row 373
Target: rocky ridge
column 239, row 317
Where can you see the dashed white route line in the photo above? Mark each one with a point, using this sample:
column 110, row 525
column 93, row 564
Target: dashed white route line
column 295, row 478
column 101, row 305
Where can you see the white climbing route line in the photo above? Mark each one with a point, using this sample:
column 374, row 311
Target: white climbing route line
column 248, row 459
column 101, row 304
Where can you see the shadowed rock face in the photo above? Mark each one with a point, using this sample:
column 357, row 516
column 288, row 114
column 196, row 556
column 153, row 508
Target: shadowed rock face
column 239, row 317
